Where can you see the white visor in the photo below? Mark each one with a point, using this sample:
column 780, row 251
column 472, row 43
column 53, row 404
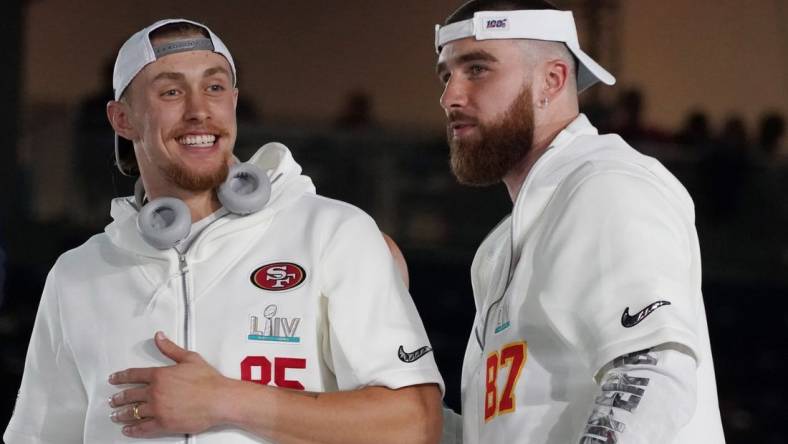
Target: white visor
column 549, row 25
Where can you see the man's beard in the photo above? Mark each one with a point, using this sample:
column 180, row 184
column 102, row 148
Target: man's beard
column 185, row 179
column 486, row 159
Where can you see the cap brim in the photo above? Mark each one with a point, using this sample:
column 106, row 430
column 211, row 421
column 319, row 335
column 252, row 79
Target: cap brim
column 589, row 72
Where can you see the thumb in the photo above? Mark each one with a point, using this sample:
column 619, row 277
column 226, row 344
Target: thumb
column 169, row 348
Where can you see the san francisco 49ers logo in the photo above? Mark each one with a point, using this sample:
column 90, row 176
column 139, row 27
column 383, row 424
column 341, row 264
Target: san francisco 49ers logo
column 279, row 276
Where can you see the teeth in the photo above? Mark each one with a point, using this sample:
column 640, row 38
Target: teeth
column 201, row 140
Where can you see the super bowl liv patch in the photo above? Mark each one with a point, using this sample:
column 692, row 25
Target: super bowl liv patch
column 274, row 329
column 502, row 317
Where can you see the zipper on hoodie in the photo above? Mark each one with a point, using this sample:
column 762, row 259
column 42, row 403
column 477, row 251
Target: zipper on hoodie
column 482, row 339
column 183, row 266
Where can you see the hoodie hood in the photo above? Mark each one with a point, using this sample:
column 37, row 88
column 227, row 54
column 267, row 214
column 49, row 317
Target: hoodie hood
column 287, row 185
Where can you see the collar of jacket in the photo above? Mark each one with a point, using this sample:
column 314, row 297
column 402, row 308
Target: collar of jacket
column 542, row 181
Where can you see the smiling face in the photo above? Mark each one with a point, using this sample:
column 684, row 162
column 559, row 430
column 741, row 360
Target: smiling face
column 181, row 116
column 488, row 102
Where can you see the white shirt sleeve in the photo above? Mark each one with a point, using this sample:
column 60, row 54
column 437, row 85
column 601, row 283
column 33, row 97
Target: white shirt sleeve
column 376, row 334
column 617, row 266
column 644, row 397
column 52, row 402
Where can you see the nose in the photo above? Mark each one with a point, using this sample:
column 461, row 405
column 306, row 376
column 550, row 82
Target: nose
column 197, row 108
column 454, row 95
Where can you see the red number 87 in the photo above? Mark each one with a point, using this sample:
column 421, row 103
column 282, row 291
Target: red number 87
column 512, row 356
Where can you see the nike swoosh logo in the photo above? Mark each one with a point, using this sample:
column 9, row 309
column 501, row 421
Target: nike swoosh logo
column 412, row 356
column 630, row 321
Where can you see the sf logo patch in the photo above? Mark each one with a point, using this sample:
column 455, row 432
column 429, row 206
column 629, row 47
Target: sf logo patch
column 278, row 276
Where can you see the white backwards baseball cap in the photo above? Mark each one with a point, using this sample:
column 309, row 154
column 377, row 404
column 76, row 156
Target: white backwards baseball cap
column 138, row 52
column 549, row 25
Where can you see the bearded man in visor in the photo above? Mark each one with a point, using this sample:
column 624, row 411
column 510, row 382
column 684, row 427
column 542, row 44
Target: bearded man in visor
column 590, row 324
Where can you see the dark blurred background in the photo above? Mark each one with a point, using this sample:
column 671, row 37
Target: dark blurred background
column 349, row 86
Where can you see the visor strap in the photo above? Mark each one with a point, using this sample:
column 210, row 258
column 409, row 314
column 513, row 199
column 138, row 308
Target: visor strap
column 199, row 44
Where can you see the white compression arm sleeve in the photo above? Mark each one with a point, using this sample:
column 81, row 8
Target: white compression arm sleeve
column 644, row 397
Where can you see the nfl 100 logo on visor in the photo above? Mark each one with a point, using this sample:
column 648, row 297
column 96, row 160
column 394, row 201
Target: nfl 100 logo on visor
column 278, row 276
column 500, row 23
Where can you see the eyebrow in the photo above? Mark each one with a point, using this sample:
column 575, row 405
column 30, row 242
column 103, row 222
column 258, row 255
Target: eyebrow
column 168, row 75
column 473, row 56
column 216, row 70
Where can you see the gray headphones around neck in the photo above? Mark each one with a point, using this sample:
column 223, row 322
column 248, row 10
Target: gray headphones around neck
column 166, row 221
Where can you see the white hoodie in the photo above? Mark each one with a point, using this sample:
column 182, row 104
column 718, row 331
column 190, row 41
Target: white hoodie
column 302, row 294
column 599, row 258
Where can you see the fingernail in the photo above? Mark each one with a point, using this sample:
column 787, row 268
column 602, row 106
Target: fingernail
column 109, row 400
column 160, row 335
column 127, row 430
column 111, row 378
column 114, row 416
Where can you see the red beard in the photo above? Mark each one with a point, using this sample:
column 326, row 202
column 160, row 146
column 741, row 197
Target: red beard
column 486, row 159
column 187, row 180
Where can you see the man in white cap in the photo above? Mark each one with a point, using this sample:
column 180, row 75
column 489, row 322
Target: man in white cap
column 279, row 315
column 590, row 324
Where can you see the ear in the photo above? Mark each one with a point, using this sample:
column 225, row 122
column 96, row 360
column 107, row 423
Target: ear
column 118, row 115
column 235, row 97
column 556, row 78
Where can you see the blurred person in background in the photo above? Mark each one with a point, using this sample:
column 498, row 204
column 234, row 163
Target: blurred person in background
column 770, row 134
column 695, row 132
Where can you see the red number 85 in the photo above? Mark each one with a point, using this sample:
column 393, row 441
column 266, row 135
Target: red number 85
column 280, row 366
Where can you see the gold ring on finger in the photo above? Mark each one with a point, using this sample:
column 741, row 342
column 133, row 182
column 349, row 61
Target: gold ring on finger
column 135, row 412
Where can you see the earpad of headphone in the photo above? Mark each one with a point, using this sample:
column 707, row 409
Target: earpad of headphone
column 246, row 190
column 139, row 194
column 164, row 222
